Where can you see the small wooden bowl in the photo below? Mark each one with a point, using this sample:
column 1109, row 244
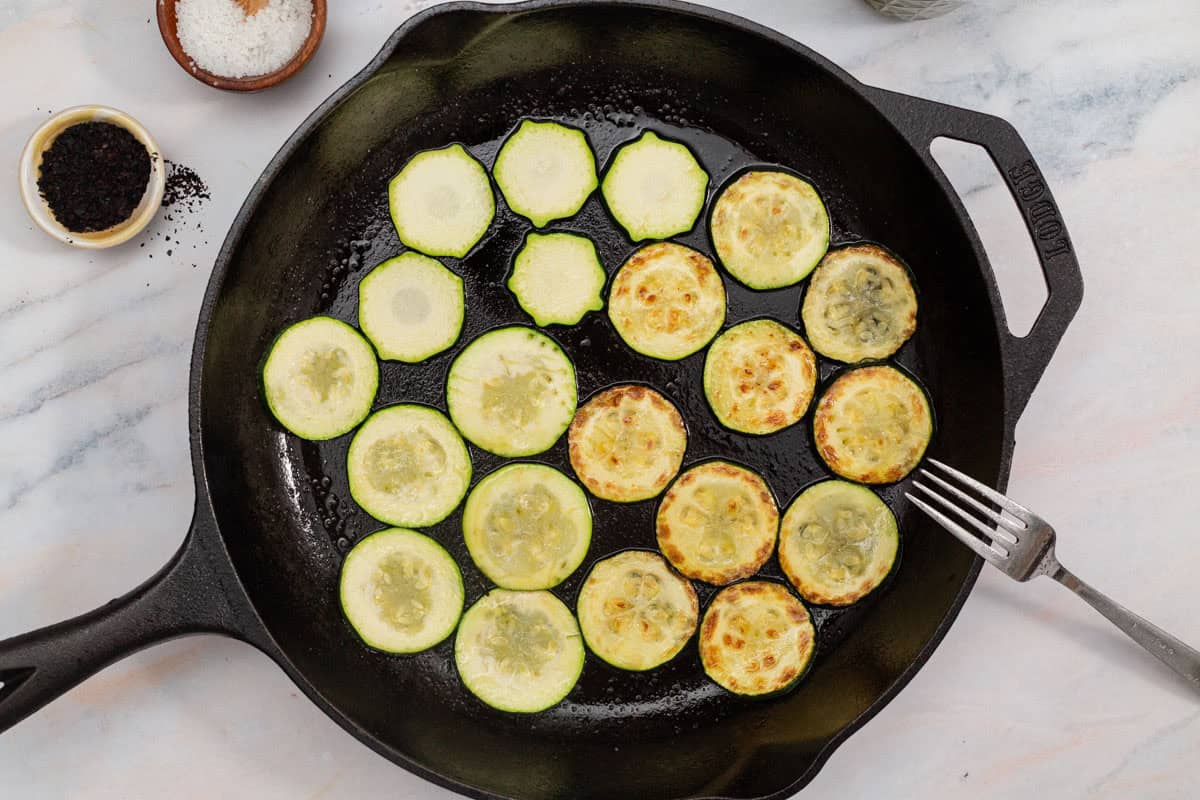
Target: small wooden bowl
column 168, row 27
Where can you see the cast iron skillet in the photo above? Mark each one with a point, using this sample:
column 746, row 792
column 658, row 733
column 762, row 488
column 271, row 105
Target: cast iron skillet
column 272, row 515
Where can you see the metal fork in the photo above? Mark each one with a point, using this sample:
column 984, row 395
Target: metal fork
column 1021, row 545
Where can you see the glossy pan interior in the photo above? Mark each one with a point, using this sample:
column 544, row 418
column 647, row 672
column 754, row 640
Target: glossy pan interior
column 274, row 516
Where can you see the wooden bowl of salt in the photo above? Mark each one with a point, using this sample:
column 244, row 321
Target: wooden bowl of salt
column 242, row 45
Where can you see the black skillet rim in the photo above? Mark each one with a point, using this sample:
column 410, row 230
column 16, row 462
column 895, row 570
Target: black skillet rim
column 273, row 170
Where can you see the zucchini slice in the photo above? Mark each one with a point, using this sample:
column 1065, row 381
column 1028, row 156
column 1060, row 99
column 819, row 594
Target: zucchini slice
column 408, row 466
column 519, row 651
column 320, row 378
column 636, row 612
column 759, row 377
column 654, row 188
column 401, row 591
column 860, row 304
column 756, row 638
column 512, row 392
column 527, row 526
column 410, row 307
column 557, row 278
column 626, row 443
column 872, row 425
column 837, row 542
column 442, row 202
column 718, row 523
column 770, row 229
column 667, row 301
column 546, row 171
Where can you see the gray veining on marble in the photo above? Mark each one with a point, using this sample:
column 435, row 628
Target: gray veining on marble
column 95, row 484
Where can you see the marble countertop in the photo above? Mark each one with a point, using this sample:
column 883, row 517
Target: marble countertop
column 1031, row 693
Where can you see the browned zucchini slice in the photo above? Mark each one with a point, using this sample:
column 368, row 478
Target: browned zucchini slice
column 872, row 425
column 667, row 301
column 860, row 304
column 718, row 523
column 759, row 377
column 757, row 638
column 636, row 612
column 626, row 443
column 837, row 542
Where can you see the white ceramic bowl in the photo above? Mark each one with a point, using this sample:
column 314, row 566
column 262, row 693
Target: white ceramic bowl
column 31, row 162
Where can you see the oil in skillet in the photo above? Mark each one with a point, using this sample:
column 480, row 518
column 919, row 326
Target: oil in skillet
column 371, row 239
column 679, row 687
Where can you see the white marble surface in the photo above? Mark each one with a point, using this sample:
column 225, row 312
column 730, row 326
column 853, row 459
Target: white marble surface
column 1031, row 693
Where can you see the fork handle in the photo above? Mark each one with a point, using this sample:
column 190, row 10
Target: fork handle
column 1160, row 644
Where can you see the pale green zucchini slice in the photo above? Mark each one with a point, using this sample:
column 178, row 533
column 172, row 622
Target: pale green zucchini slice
column 770, row 229
column 519, row 651
column 718, row 523
column 408, row 466
column 512, row 392
column 527, row 526
column 401, row 591
column 636, row 612
column 872, row 425
column 546, row 171
column 654, row 188
column 320, row 378
column 667, row 301
column 860, row 304
column 410, row 307
column 837, row 542
column 757, row 639
column 557, row 278
column 759, row 377
column 626, row 443
column 442, row 202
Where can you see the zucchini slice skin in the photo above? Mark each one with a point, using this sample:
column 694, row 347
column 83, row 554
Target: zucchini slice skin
column 654, row 188
column 519, row 651
column 627, row 443
column 759, row 377
column 667, row 301
column 557, row 278
column 770, row 228
column 320, row 378
column 408, row 466
column 512, row 391
column 718, row 523
column 860, row 304
column 546, row 171
column 441, row 202
column 635, row 612
column 527, row 526
column 410, row 307
column 873, row 424
column 401, row 591
column 837, row 542
column 757, row 639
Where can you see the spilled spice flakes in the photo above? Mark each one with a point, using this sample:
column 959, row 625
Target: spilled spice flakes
column 184, row 195
column 184, row 187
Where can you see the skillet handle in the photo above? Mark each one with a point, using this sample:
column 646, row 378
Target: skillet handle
column 1025, row 357
column 196, row 592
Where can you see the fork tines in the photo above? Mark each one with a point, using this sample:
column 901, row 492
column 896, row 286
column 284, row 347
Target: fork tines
column 996, row 528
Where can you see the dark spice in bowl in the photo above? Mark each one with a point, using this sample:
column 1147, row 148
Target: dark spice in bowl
column 93, row 176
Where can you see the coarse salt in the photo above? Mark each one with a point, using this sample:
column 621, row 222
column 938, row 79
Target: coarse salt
column 220, row 38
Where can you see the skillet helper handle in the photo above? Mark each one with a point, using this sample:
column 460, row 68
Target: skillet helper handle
column 185, row 597
column 1025, row 357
